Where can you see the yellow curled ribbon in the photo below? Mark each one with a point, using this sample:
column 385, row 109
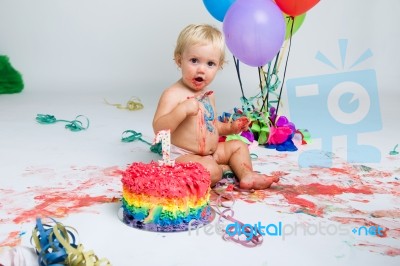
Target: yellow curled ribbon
column 132, row 105
column 56, row 245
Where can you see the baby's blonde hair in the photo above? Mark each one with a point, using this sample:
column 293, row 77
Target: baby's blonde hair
column 200, row 34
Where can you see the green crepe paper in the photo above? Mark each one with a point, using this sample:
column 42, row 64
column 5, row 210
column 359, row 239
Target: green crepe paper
column 237, row 137
column 10, row 79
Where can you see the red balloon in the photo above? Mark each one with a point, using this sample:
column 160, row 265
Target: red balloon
column 296, row 7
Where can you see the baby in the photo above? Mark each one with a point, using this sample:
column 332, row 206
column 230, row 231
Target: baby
column 187, row 109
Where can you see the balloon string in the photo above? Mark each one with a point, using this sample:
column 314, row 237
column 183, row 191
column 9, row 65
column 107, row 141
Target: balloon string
column 284, row 72
column 238, row 74
column 265, row 100
column 261, row 84
column 289, row 18
column 269, row 87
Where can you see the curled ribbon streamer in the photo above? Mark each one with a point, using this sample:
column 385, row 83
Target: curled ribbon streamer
column 50, row 252
column 56, row 245
column 74, row 125
column 253, row 156
column 394, row 152
column 131, row 135
column 227, row 214
column 77, row 125
column 132, row 105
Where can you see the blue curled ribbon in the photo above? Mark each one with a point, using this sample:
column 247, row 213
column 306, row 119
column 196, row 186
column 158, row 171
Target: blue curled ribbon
column 56, row 246
column 48, row 248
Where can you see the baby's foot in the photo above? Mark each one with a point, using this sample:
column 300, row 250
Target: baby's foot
column 257, row 181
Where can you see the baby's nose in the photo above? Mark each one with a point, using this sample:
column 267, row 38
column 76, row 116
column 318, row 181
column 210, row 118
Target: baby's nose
column 201, row 68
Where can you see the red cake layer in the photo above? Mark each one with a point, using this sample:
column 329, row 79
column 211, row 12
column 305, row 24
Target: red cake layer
column 181, row 180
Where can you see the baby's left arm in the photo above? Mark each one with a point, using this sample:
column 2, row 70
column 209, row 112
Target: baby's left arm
column 234, row 127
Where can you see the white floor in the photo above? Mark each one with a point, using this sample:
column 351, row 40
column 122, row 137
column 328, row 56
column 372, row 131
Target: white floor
column 47, row 170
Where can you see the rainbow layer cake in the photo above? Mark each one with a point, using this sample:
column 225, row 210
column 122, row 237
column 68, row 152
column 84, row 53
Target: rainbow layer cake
column 166, row 198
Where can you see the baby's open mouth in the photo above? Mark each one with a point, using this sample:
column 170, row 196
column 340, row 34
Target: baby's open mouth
column 199, row 79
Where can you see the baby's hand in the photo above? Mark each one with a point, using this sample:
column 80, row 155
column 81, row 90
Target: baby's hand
column 191, row 106
column 240, row 124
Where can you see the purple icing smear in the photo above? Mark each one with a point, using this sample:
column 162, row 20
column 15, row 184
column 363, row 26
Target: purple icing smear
column 206, row 219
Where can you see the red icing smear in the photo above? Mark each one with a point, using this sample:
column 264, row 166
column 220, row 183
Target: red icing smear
column 292, row 193
column 356, row 172
column 67, row 195
column 201, row 135
column 59, row 205
column 208, row 93
column 182, row 180
column 242, row 122
column 12, row 240
column 383, row 249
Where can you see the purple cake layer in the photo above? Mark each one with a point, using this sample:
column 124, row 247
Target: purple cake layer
column 206, row 219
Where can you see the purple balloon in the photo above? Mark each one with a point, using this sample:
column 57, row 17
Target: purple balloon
column 254, row 31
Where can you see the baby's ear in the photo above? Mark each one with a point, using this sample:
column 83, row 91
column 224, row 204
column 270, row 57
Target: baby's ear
column 178, row 60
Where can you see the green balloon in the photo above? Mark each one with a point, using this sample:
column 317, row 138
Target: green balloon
column 295, row 21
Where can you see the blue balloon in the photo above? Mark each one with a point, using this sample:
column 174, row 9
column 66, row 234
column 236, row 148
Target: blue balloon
column 218, row 8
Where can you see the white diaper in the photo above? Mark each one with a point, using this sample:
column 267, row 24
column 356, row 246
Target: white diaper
column 176, row 152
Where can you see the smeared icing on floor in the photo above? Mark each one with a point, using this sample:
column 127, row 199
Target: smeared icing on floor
column 56, row 195
column 345, row 194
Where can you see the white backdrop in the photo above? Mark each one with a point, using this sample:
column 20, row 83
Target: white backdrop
column 121, row 45
column 114, row 49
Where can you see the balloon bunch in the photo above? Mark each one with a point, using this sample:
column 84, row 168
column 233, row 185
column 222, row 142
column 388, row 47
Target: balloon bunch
column 259, row 33
column 256, row 29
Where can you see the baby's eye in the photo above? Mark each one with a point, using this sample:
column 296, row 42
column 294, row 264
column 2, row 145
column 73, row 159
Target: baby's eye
column 211, row 64
column 194, row 60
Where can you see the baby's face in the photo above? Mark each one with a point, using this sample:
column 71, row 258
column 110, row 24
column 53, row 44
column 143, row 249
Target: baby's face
column 199, row 64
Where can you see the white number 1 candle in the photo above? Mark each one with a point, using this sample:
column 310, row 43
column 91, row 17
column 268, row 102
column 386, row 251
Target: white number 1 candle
column 165, row 137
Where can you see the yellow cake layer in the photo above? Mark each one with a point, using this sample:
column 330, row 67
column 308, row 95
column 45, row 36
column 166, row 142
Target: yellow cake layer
column 174, row 204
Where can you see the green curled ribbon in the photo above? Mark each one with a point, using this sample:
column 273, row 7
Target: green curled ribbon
column 74, row 125
column 394, row 152
column 253, row 156
column 131, row 135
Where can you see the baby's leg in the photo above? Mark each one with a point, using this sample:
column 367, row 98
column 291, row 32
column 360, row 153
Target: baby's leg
column 208, row 162
column 236, row 154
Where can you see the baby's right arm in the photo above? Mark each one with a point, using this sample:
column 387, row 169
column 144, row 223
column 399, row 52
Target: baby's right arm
column 170, row 113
